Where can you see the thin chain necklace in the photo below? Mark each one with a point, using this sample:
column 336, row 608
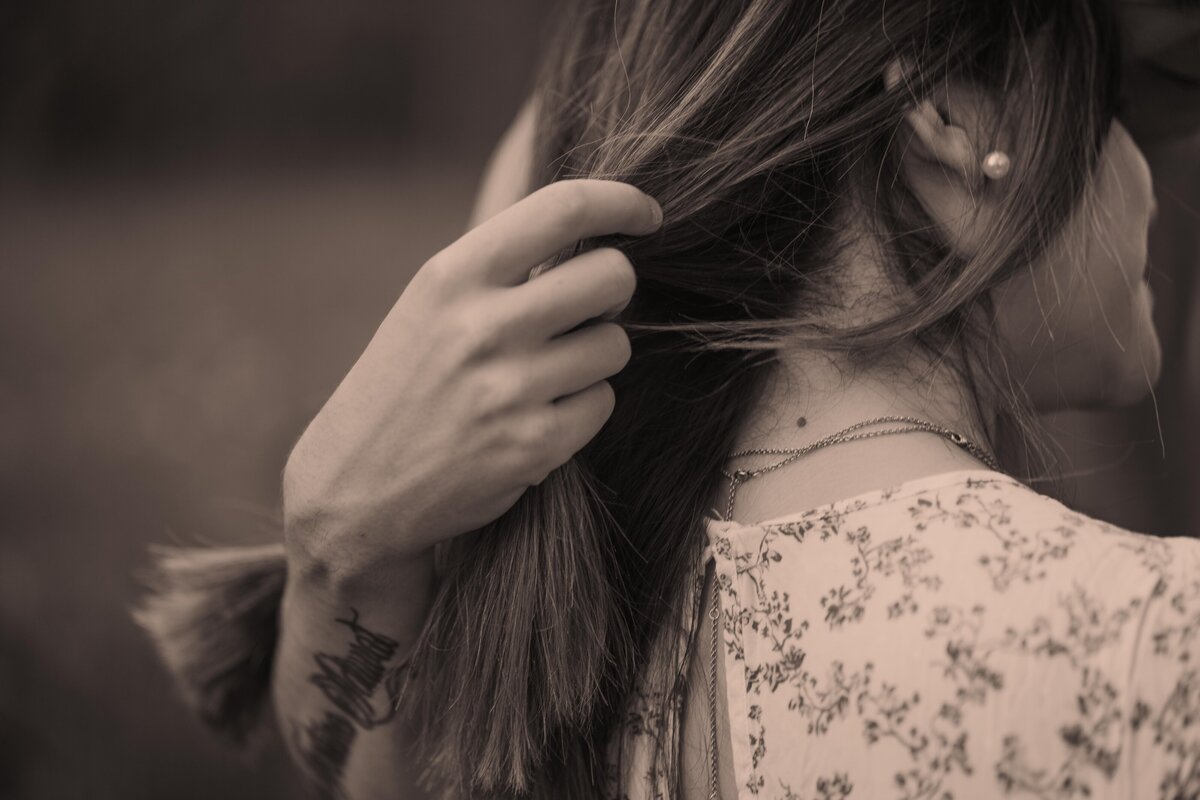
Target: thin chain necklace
column 738, row 477
column 849, row 434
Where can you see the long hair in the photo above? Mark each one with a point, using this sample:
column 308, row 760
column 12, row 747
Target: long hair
column 758, row 125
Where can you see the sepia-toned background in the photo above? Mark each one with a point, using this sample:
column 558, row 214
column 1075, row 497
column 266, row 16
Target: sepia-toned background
column 205, row 209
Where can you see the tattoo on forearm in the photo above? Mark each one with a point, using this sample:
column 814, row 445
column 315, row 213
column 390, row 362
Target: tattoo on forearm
column 352, row 683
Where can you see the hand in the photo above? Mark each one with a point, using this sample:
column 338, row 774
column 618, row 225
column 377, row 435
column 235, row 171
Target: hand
column 475, row 387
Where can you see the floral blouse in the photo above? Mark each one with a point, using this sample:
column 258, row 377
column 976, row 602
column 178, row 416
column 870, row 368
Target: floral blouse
column 957, row 637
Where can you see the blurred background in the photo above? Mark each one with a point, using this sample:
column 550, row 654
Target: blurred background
column 205, row 210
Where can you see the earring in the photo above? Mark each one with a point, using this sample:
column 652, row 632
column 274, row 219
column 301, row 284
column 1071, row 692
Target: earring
column 996, row 164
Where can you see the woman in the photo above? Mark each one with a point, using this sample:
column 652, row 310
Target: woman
column 876, row 238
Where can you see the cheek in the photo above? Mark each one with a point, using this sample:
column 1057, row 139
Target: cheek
column 1079, row 326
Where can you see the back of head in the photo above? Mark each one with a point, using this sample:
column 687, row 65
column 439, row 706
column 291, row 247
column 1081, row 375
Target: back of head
column 760, row 126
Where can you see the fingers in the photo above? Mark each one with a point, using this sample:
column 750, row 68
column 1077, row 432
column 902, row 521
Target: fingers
column 580, row 289
column 575, row 361
column 577, row 418
column 503, row 249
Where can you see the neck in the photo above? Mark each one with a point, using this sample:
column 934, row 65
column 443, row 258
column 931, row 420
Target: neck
column 830, row 397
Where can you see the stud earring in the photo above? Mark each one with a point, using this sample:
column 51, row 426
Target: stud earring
column 996, row 164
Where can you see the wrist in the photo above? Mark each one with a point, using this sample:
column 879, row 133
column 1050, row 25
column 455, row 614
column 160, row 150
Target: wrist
column 341, row 548
column 398, row 599
column 362, row 578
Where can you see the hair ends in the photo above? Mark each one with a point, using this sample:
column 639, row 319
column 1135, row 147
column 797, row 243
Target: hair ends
column 213, row 615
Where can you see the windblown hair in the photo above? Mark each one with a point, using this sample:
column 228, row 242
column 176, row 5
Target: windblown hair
column 760, row 126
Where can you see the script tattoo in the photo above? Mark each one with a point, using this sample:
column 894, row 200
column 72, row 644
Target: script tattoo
column 350, row 682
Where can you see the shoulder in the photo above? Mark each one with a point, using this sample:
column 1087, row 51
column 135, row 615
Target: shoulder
column 1013, row 531
column 1030, row 537
column 1109, row 620
column 1026, row 573
column 975, row 621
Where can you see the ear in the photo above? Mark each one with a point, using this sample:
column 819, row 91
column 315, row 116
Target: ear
column 935, row 137
column 942, row 156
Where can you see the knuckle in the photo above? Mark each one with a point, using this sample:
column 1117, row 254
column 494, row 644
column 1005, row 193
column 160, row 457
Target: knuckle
column 436, row 270
column 488, row 251
column 542, row 434
column 497, row 389
column 477, row 331
column 506, row 319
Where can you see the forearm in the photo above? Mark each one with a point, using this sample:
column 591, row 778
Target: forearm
column 338, row 669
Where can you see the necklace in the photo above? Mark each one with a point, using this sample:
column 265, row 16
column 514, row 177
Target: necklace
column 849, row 434
column 738, row 477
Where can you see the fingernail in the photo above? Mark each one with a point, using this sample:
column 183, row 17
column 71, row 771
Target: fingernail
column 655, row 211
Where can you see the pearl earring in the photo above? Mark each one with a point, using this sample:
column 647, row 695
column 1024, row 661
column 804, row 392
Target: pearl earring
column 996, row 164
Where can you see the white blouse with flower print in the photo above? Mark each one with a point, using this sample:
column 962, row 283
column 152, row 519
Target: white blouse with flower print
column 958, row 637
